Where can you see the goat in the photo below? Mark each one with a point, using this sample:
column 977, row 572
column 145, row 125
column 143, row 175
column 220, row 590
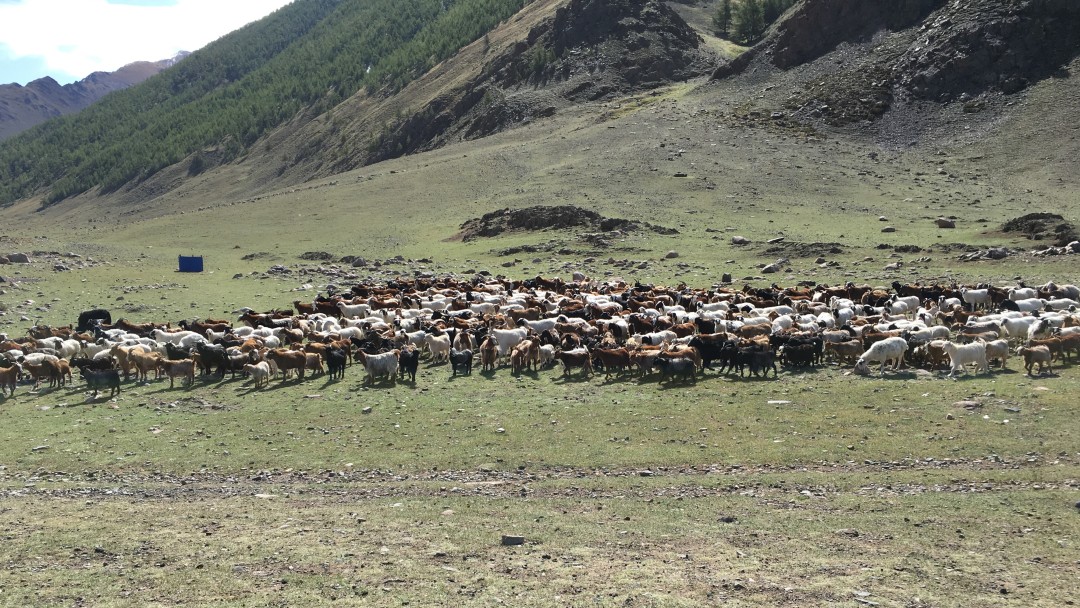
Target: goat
column 97, row 380
column 260, row 373
column 9, row 378
column 408, row 361
column 336, row 361
column 575, row 358
column 678, row 367
column 998, row 349
column 380, row 365
column 461, row 359
column 438, row 346
column 287, row 360
column 178, row 368
column 1033, row 355
column 849, row 350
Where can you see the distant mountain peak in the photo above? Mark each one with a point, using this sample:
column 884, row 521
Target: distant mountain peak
column 22, row 107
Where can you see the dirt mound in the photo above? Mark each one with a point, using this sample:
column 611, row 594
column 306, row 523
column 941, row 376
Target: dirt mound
column 544, row 218
column 804, row 250
column 1043, row 227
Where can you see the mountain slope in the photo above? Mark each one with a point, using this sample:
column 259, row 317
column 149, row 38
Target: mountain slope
column 22, row 107
column 301, row 60
column 552, row 55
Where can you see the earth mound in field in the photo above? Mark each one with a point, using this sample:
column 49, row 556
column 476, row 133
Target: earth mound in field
column 531, row 219
column 1043, row 227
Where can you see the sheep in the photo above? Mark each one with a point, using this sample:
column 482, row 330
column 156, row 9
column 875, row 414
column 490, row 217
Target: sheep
column 1025, row 305
column 1022, row 293
column 1017, row 327
column 963, row 354
column 976, row 298
column 1033, row 355
column 883, row 351
column 352, row 311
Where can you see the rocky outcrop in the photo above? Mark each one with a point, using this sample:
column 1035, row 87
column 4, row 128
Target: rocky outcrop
column 972, row 47
column 922, row 49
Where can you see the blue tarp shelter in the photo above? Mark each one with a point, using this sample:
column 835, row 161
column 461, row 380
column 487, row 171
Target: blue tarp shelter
column 191, row 263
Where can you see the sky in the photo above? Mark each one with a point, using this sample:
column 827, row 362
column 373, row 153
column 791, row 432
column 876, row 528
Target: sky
column 69, row 39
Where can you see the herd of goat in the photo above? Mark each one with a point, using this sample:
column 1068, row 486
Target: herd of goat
column 592, row 326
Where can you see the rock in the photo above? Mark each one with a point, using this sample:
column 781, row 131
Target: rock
column 770, row 269
column 4, row 260
column 950, row 417
column 359, row 263
column 882, row 218
column 671, row 254
column 997, row 253
column 852, row 532
column 778, row 239
column 366, row 410
column 578, row 277
column 645, row 473
column 18, row 258
column 889, row 229
column 967, row 404
column 740, row 240
column 510, row 540
column 725, row 278
column 944, row 222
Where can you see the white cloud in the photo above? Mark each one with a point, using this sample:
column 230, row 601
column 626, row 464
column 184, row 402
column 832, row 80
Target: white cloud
column 82, row 36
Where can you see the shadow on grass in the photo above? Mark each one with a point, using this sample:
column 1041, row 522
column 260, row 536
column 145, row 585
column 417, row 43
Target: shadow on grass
column 572, row 378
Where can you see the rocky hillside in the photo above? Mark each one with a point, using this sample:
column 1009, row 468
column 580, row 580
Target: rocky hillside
column 584, row 50
column 22, row 107
column 930, row 50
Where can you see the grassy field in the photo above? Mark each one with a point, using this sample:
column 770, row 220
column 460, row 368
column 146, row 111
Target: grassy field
column 819, row 488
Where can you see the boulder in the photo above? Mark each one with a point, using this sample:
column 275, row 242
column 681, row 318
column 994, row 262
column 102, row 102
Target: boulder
column 18, row 258
column 740, row 240
column 944, row 222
